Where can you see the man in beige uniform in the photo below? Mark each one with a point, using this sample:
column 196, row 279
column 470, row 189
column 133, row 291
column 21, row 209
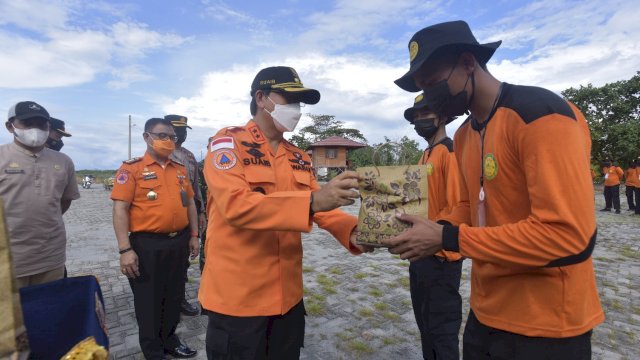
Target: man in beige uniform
column 37, row 186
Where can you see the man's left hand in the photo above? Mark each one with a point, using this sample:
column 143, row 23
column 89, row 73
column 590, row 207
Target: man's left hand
column 424, row 238
column 194, row 246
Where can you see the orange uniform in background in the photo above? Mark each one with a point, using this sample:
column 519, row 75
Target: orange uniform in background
column 154, row 194
column 258, row 204
column 612, row 175
column 443, row 182
column 532, row 271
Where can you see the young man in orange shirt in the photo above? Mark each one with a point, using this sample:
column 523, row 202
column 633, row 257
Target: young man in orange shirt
column 612, row 175
column 262, row 195
column 529, row 236
column 631, row 183
column 435, row 280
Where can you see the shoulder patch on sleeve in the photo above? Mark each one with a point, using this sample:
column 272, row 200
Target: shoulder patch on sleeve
column 122, row 177
column 132, row 160
column 532, row 103
column 224, row 159
column 224, row 142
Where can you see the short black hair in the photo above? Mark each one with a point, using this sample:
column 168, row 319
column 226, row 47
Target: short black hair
column 151, row 123
column 253, row 107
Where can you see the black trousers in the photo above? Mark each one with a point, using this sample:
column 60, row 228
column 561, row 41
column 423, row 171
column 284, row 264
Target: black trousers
column 277, row 337
column 630, row 190
column 612, row 195
column 437, row 305
column 158, row 290
column 636, row 191
column 483, row 342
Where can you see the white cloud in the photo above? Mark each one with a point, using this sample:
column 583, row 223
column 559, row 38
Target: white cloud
column 597, row 48
column 65, row 54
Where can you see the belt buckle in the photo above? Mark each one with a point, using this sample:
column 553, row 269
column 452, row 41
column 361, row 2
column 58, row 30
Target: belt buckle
column 173, row 234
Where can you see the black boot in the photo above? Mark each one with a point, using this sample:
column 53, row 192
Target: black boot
column 188, row 309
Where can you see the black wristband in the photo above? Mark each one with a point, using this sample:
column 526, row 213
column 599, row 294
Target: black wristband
column 450, row 238
column 311, row 212
column 125, row 250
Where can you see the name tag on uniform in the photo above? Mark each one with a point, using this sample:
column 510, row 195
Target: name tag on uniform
column 14, row 171
column 150, row 176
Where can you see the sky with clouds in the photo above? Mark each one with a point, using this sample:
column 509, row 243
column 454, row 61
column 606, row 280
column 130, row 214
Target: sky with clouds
column 92, row 64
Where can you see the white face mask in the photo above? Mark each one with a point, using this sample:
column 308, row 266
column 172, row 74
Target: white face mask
column 33, row 137
column 285, row 117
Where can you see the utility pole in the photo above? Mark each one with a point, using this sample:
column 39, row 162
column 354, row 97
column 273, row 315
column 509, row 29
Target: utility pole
column 129, row 137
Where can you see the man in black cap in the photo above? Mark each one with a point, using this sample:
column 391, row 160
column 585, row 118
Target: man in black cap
column 186, row 157
column 56, row 132
column 529, row 235
column 435, row 280
column 37, row 187
column 262, row 195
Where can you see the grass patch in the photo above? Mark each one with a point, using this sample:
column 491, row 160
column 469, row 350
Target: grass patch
column 314, row 308
column 615, row 304
column 329, row 290
column 359, row 347
column 380, row 306
column 375, row 292
column 360, row 275
column 402, row 264
column 404, row 281
column 307, row 269
column 365, row 312
column 389, row 341
column 391, row 316
column 324, row 280
column 636, row 310
column 335, row 270
column 629, row 252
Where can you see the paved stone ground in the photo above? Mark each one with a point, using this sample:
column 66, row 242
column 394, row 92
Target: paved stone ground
column 359, row 307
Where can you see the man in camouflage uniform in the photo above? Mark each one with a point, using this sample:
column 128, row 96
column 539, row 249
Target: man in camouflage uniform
column 187, row 158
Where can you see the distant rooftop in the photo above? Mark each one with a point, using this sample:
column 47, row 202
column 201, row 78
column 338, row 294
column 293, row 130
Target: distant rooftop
column 338, row 141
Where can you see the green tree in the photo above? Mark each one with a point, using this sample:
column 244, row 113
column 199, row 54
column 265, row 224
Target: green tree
column 613, row 114
column 400, row 152
column 322, row 127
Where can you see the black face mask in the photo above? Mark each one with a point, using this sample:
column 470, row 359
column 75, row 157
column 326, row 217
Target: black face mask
column 54, row 144
column 426, row 128
column 439, row 99
column 182, row 136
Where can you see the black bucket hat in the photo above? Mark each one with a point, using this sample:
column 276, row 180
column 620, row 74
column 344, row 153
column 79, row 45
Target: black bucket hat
column 426, row 42
column 419, row 103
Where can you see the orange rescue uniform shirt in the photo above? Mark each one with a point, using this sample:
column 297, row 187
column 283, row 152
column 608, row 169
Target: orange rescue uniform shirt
column 442, row 180
column 136, row 181
column 612, row 175
column 258, row 204
column 632, row 177
column 532, row 271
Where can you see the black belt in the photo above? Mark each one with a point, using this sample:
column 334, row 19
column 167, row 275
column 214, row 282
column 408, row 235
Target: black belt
column 159, row 235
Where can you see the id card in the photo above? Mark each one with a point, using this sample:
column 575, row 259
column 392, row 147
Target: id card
column 184, row 198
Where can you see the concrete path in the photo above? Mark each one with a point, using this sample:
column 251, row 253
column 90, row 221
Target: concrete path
column 359, row 307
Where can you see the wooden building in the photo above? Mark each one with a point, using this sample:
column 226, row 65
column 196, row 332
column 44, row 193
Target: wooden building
column 331, row 153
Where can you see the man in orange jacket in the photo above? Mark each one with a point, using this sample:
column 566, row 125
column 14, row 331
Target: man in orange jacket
column 529, row 236
column 262, row 195
column 631, row 183
column 435, row 280
column 612, row 175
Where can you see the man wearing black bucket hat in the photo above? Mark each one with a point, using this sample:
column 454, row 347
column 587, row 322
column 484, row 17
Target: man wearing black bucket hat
column 435, row 280
column 262, row 195
column 529, row 236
